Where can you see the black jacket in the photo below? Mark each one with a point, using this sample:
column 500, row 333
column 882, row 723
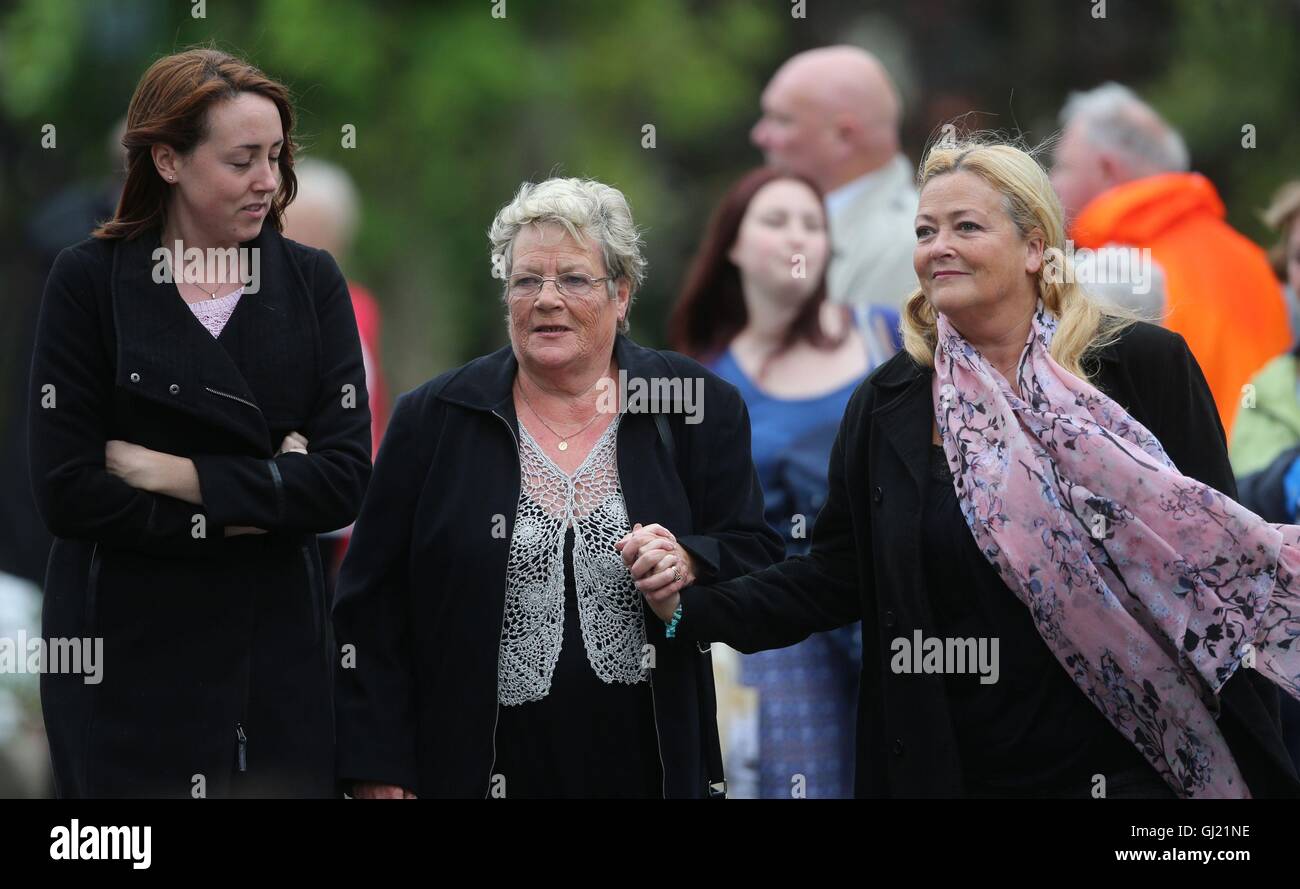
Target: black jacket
column 1264, row 492
column 422, row 591
column 866, row 564
column 206, row 638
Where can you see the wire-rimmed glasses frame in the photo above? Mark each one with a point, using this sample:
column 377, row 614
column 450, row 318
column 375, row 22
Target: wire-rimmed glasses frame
column 577, row 286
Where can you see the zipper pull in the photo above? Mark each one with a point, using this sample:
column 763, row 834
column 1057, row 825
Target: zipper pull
column 243, row 746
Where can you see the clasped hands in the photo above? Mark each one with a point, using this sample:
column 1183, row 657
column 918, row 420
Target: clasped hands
column 651, row 553
column 660, row 566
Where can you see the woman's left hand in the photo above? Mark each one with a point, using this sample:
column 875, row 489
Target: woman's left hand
column 132, row 463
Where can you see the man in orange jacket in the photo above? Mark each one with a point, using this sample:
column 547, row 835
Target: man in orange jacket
column 1121, row 173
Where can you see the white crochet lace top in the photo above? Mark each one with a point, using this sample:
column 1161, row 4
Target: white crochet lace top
column 609, row 605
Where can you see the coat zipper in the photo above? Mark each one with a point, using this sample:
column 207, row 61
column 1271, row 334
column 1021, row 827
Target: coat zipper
column 315, row 592
column 89, row 616
column 663, row 770
column 496, row 720
column 89, row 608
column 243, row 746
column 654, row 706
column 233, row 398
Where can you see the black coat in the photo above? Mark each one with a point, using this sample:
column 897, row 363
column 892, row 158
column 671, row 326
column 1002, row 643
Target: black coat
column 866, row 563
column 205, row 637
column 421, row 593
column 1264, row 492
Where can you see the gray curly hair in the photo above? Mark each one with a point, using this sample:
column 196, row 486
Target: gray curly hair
column 586, row 209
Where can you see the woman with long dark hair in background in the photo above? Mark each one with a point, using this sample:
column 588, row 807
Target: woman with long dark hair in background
column 754, row 309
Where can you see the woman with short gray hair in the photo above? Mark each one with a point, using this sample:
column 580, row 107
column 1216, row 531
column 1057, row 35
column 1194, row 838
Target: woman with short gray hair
column 499, row 644
column 577, row 205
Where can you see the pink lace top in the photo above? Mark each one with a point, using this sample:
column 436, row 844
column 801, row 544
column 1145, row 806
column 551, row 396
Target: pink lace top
column 214, row 313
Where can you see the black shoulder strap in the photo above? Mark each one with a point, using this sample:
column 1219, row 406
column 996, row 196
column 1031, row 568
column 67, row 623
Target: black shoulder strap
column 665, row 430
column 666, row 436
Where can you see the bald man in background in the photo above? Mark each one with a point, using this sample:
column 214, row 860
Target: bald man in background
column 832, row 115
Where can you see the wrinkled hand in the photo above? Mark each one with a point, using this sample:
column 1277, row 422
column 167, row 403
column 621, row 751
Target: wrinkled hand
column 294, row 442
column 652, row 553
column 372, row 790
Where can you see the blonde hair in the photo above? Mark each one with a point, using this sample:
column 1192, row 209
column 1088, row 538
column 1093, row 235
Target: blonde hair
column 1084, row 324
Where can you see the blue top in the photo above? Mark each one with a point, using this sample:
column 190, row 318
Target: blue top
column 791, row 444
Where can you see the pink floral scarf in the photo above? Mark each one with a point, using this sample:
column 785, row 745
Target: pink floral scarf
column 1150, row 588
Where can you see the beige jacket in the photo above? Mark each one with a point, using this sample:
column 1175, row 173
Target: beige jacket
column 872, row 239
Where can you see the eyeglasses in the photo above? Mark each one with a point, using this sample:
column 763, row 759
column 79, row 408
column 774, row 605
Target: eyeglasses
column 571, row 284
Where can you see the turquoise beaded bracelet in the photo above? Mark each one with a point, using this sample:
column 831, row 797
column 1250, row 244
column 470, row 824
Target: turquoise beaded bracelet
column 670, row 630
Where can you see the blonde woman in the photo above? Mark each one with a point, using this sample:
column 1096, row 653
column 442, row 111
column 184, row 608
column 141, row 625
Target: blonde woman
column 1049, row 607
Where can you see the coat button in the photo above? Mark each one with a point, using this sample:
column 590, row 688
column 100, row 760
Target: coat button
column 174, row 389
column 135, row 377
column 889, row 619
column 898, row 746
column 877, row 495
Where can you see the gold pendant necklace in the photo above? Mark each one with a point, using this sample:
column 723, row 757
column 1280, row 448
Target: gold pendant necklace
column 564, row 439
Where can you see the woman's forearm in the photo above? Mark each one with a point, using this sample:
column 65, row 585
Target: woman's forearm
column 176, row 477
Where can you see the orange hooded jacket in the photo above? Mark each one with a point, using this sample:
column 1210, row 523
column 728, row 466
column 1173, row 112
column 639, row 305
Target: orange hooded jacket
column 1221, row 294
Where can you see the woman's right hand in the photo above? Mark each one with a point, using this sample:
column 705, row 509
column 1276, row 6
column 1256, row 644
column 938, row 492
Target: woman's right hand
column 373, row 790
column 294, row 442
column 654, row 558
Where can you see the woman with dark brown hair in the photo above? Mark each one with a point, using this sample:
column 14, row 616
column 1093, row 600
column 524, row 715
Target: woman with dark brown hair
column 754, row 309
column 198, row 414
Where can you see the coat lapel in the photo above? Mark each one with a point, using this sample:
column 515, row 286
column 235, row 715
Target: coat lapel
column 486, row 384
column 906, row 415
column 652, row 488
column 166, row 355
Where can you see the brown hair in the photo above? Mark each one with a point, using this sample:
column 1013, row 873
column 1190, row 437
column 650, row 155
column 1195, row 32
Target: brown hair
column 170, row 107
column 710, row 310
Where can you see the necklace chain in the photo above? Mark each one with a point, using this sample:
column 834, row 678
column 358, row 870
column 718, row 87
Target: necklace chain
column 171, row 266
column 564, row 439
